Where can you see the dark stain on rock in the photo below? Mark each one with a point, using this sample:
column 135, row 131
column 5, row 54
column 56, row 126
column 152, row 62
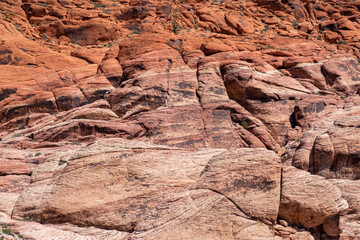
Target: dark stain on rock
column 256, row 182
column 176, row 44
column 342, row 67
column 23, row 49
column 220, row 91
column 220, row 114
column 29, row 96
column 183, row 86
column 6, row 93
column 96, row 164
column 186, row 94
column 316, row 107
column 355, row 78
column 320, row 106
column 190, row 143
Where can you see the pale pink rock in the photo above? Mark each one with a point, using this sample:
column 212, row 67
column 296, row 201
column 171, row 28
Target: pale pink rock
column 307, row 200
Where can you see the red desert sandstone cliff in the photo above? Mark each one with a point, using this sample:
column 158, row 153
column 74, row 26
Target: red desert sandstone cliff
column 180, row 119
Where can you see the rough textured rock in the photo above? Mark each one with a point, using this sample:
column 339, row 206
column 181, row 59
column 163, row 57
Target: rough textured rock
column 178, row 88
column 336, row 152
column 331, row 149
column 156, row 192
column 349, row 224
column 254, row 190
column 307, row 200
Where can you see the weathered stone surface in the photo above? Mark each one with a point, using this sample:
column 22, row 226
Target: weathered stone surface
column 7, row 202
column 33, row 230
column 307, row 200
column 336, row 152
column 350, row 192
column 254, row 189
column 161, row 189
column 13, row 183
column 331, row 149
column 194, row 77
column 349, row 224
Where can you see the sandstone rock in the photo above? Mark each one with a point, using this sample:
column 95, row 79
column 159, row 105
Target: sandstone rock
column 335, row 152
column 200, row 76
column 310, row 71
column 143, row 177
column 331, row 226
column 349, row 224
column 332, row 37
column 308, row 107
column 243, row 183
column 90, row 55
column 242, row 25
column 112, row 71
column 320, row 148
column 13, row 183
column 7, row 202
column 349, row 190
column 307, row 199
column 69, row 97
column 15, row 167
column 302, row 235
column 33, row 230
column 342, row 74
column 215, row 47
column 283, row 223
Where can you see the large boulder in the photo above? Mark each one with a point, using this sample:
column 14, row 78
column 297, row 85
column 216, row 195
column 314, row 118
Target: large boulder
column 308, row 200
column 249, row 178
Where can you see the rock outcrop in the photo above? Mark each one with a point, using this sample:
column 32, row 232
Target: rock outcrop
column 308, row 200
column 179, row 120
column 157, row 192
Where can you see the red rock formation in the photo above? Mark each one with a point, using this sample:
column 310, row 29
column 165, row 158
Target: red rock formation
column 159, row 120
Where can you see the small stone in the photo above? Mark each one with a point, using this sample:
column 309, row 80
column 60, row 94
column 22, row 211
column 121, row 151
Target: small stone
column 283, row 223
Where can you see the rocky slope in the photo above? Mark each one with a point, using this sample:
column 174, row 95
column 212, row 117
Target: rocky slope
column 130, row 119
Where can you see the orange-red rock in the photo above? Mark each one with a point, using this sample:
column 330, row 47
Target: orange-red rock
column 171, row 85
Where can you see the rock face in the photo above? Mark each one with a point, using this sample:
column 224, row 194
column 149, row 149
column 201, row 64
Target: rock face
column 350, row 224
column 307, row 200
column 236, row 175
column 332, row 148
column 157, row 192
column 336, row 152
column 168, row 120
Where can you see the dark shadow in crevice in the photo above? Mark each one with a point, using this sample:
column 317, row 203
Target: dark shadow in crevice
column 292, row 120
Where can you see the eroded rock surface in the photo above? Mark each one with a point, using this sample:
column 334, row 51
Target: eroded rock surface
column 307, row 199
column 155, row 192
column 166, row 120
